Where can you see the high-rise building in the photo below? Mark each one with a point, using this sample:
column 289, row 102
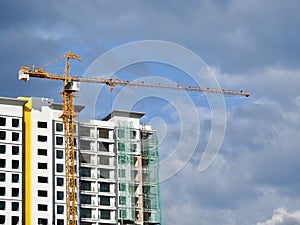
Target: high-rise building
column 116, row 161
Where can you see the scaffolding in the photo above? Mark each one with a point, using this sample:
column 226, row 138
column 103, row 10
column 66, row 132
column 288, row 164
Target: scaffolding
column 138, row 169
column 151, row 187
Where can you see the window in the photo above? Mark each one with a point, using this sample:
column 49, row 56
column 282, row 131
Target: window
column 59, row 168
column 42, row 124
column 2, row 205
column 121, row 133
column 122, row 187
column 15, row 122
column 2, row 163
column 105, row 214
column 122, row 200
column 86, row 213
column 103, row 160
column 104, row 187
column 2, row 191
column 59, row 140
column 86, row 185
column 42, row 207
column 59, row 154
column 103, row 173
column 103, row 133
column 85, row 172
column 42, row 138
column 122, row 213
column 15, row 206
column 2, row 135
column 42, row 179
column 74, row 128
column 85, row 199
column 59, row 181
column 42, row 221
column 2, row 219
column 2, row 149
column 60, row 222
column 15, row 136
column 15, row 192
column 59, row 195
column 133, row 134
column 122, row 173
column 2, row 177
column 42, row 166
column 103, row 147
column 104, row 200
column 15, row 164
column 14, row 220
column 15, row 150
column 59, row 127
column 42, row 193
column 60, row 209
column 15, row 178
column 42, row 151
column 2, row 121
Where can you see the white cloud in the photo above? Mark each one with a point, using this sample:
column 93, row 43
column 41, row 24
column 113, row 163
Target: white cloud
column 282, row 217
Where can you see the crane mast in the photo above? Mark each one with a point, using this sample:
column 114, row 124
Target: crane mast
column 68, row 122
column 71, row 85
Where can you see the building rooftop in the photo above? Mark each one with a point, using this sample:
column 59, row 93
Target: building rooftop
column 12, row 101
column 121, row 113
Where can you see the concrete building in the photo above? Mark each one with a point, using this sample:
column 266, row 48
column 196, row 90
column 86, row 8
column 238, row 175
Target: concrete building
column 11, row 151
column 116, row 166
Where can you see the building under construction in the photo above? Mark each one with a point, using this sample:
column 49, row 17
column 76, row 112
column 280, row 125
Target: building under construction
column 116, row 161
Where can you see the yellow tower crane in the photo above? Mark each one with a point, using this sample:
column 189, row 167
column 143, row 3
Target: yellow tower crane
column 71, row 85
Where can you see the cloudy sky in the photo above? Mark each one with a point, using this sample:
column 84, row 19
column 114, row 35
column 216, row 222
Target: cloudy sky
column 250, row 45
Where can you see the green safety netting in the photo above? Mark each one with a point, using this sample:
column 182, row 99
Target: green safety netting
column 128, row 194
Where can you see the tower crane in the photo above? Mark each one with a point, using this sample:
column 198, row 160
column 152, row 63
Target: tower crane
column 71, row 86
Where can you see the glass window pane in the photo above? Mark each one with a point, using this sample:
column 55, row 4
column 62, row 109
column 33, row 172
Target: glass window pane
column 15, row 178
column 59, row 154
column 59, row 168
column 2, row 163
column 60, row 195
column 104, row 187
column 15, row 150
column 2, row 135
column 15, row 164
column 60, row 209
column 2, row 191
column 105, row 214
column 2, row 177
column 15, row 192
column 2, row 149
column 104, row 200
column 15, row 136
column 59, row 127
column 42, row 207
column 15, row 206
column 2, row 205
column 2, row 121
column 42, row 138
column 59, row 141
column 42, row 151
column 59, row 181
column 15, row 122
column 42, row 124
